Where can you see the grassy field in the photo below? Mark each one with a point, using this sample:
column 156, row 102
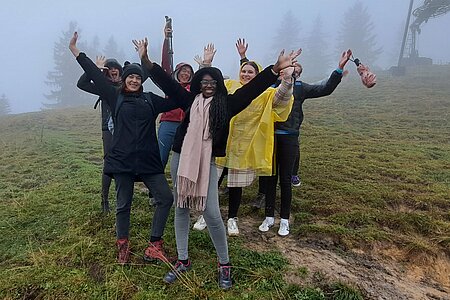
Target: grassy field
column 375, row 169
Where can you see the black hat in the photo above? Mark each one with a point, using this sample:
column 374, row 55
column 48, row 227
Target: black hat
column 214, row 73
column 133, row 68
column 113, row 63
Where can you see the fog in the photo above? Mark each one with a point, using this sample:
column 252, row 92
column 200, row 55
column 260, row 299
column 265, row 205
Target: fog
column 29, row 30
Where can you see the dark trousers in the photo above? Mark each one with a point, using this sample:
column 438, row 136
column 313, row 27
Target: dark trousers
column 124, row 190
column 234, row 201
column 106, row 180
column 286, row 151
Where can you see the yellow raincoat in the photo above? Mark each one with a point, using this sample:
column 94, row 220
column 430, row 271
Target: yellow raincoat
column 251, row 139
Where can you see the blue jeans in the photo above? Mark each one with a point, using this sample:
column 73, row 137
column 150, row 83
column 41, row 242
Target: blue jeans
column 166, row 134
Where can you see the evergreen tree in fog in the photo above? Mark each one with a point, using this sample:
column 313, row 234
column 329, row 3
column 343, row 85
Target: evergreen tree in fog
column 112, row 50
column 315, row 59
column 287, row 37
column 4, row 105
column 357, row 33
column 66, row 72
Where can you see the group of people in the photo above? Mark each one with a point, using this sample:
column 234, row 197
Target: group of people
column 250, row 127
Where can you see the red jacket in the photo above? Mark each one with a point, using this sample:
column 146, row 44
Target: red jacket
column 176, row 115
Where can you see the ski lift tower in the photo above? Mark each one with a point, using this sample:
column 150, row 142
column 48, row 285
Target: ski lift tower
column 409, row 55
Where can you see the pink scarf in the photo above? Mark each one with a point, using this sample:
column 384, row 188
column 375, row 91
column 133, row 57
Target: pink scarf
column 195, row 157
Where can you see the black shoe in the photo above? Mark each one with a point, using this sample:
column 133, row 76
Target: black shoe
column 179, row 268
column 225, row 277
column 260, row 201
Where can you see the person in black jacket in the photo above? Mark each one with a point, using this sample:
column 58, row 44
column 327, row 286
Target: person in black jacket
column 134, row 153
column 287, row 145
column 113, row 72
column 201, row 136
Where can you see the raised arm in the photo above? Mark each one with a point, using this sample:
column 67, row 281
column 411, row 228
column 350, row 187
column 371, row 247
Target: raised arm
column 105, row 90
column 241, row 47
column 164, row 81
column 165, row 57
column 328, row 87
column 284, row 91
column 244, row 95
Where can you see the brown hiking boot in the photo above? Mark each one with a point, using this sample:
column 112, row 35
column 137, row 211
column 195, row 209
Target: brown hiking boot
column 155, row 252
column 124, row 251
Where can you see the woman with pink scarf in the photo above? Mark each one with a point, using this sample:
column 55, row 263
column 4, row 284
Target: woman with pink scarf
column 200, row 138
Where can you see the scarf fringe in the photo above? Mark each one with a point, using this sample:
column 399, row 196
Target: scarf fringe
column 186, row 195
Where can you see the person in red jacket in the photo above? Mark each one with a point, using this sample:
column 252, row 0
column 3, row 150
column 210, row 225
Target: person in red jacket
column 170, row 120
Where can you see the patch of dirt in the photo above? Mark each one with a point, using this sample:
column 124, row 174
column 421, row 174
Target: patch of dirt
column 380, row 273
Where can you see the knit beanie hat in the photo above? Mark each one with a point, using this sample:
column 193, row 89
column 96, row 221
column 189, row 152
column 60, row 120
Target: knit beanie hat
column 133, row 68
column 113, row 63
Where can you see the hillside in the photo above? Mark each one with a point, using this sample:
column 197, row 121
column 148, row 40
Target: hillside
column 370, row 221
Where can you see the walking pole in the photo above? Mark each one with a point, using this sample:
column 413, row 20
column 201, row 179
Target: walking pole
column 170, row 50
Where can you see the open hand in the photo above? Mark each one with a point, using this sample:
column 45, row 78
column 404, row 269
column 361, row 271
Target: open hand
column 198, row 59
column 100, row 61
column 208, row 53
column 141, row 47
column 241, row 47
column 286, row 60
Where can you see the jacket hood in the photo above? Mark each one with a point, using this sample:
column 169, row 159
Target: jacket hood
column 178, row 68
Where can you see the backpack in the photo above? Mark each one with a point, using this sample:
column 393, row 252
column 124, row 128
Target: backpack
column 113, row 117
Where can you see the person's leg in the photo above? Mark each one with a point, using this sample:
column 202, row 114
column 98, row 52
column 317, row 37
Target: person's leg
column 288, row 148
column 166, row 134
column 216, row 229
column 213, row 218
column 124, row 193
column 234, row 202
column 163, row 199
column 182, row 218
column 106, row 180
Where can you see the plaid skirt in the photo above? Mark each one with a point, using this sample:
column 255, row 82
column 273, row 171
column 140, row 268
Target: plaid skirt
column 238, row 178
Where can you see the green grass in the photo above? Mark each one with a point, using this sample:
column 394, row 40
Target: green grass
column 375, row 167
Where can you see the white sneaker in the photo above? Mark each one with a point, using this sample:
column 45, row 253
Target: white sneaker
column 266, row 224
column 200, row 224
column 284, row 228
column 233, row 229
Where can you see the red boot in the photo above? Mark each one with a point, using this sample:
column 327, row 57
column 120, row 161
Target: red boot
column 155, row 252
column 124, row 251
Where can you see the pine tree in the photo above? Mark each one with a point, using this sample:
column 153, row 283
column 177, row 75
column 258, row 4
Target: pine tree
column 315, row 59
column 357, row 34
column 63, row 79
column 4, row 105
column 287, row 37
column 112, row 50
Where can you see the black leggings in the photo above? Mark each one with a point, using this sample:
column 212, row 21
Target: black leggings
column 286, row 149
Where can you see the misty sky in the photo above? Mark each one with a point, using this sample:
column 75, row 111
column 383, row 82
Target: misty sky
column 29, row 30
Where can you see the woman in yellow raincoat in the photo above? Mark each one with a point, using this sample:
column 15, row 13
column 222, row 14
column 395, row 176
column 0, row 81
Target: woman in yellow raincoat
column 251, row 140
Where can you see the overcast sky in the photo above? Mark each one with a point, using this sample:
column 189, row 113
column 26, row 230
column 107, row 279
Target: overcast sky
column 29, row 30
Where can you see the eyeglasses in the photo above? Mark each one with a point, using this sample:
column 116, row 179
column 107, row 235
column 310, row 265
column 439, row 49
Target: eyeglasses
column 208, row 82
